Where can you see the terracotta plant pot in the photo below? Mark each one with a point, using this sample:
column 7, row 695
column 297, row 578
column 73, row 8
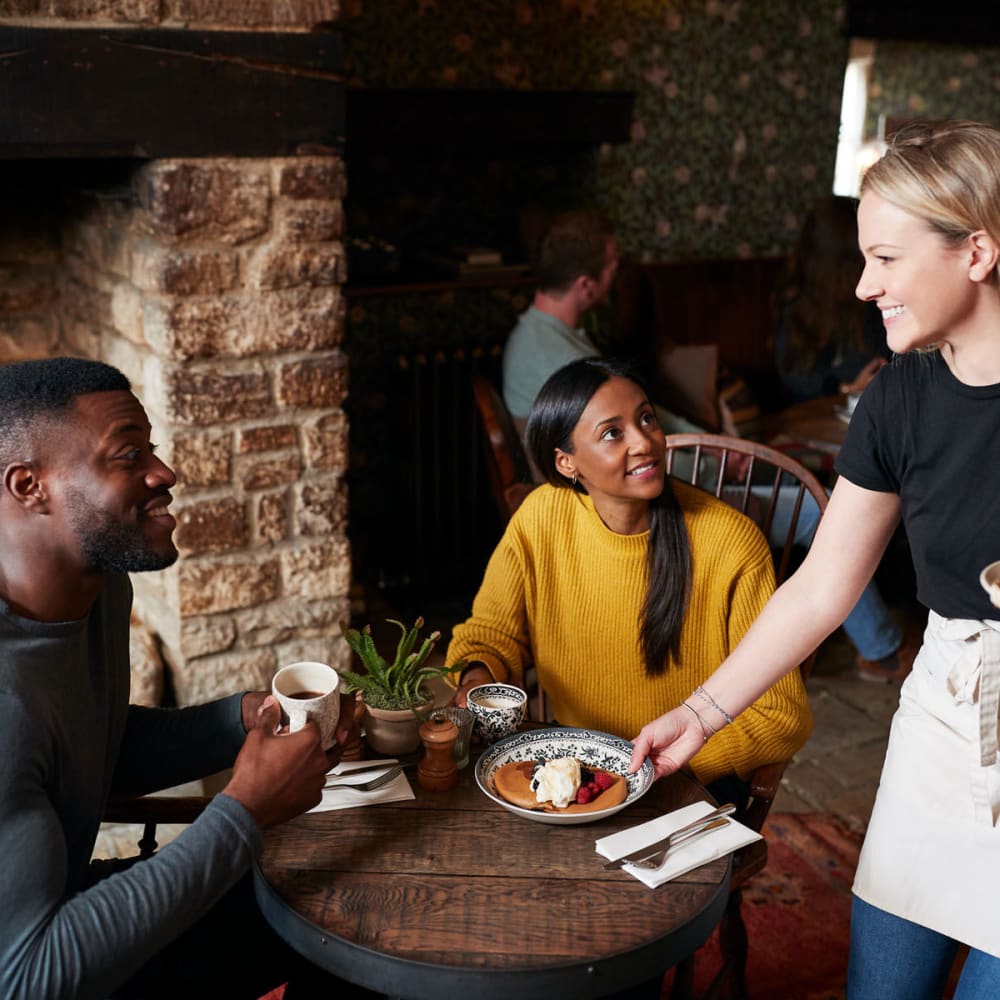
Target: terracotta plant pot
column 392, row 732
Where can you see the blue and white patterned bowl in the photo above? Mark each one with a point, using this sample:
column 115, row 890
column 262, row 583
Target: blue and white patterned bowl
column 591, row 748
column 499, row 710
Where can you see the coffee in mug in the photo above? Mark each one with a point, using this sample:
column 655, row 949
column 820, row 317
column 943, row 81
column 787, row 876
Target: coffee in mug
column 309, row 692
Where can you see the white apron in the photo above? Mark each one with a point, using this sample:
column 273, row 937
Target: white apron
column 932, row 851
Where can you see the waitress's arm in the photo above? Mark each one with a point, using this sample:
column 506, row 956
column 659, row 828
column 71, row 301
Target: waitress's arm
column 852, row 535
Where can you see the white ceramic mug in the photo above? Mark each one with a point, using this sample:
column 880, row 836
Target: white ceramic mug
column 499, row 710
column 309, row 692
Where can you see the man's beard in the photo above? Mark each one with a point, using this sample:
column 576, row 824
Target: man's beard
column 110, row 544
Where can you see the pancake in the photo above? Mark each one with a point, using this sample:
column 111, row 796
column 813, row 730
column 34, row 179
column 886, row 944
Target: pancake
column 513, row 783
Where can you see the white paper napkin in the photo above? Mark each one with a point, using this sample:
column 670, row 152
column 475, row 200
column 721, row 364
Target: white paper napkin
column 343, row 796
column 682, row 858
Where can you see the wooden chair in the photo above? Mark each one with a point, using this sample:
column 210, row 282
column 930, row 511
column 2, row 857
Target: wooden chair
column 768, row 472
column 506, row 463
column 150, row 810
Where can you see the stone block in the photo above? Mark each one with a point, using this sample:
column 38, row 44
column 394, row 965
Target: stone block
column 207, row 634
column 207, row 587
column 28, row 339
column 178, row 271
column 127, row 357
column 321, row 649
column 254, row 13
column 326, row 442
column 273, row 437
column 317, row 570
column 283, row 266
column 305, row 319
column 126, row 312
column 210, row 677
column 265, row 475
column 281, row 620
column 25, row 290
column 215, row 199
column 319, row 383
column 83, row 339
column 310, row 222
column 202, row 459
column 125, row 11
column 99, row 230
column 206, row 398
column 313, row 177
column 321, row 508
column 146, row 665
column 271, row 522
column 81, row 302
column 210, row 526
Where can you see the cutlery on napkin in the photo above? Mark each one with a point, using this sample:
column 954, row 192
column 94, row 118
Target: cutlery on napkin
column 685, row 856
column 652, row 855
column 341, row 794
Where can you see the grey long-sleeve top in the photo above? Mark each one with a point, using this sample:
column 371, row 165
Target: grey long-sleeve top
column 68, row 737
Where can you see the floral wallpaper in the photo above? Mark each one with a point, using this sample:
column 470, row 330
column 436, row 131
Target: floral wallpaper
column 928, row 80
column 735, row 125
column 733, row 138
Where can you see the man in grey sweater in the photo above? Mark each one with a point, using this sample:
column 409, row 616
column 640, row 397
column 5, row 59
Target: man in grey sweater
column 84, row 502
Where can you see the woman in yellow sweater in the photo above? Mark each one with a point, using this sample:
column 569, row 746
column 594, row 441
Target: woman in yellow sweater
column 625, row 590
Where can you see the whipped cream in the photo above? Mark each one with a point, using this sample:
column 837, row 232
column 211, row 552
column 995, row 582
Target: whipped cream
column 557, row 781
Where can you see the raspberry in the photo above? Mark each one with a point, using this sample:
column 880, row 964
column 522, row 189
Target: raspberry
column 583, row 795
column 603, row 780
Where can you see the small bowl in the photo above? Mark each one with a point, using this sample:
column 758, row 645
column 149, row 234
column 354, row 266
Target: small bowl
column 499, row 710
column 989, row 579
column 591, row 748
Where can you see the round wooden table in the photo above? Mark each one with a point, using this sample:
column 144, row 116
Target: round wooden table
column 451, row 895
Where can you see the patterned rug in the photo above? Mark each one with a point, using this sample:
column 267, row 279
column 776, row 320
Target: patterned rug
column 797, row 912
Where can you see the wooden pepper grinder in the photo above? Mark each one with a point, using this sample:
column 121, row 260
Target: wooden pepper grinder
column 437, row 771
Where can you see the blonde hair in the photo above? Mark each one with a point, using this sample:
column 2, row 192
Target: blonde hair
column 946, row 173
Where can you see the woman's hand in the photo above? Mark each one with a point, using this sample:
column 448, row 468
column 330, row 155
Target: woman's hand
column 863, row 377
column 669, row 742
column 471, row 677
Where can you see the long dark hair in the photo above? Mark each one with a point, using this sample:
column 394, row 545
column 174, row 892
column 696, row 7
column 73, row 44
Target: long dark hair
column 816, row 300
column 556, row 412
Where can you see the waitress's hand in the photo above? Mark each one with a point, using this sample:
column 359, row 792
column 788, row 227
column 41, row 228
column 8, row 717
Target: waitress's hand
column 863, row 377
column 669, row 742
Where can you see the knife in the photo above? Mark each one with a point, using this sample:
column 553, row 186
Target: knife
column 700, row 825
column 375, row 765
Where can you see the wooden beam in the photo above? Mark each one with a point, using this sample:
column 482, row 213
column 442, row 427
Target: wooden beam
column 160, row 92
column 501, row 119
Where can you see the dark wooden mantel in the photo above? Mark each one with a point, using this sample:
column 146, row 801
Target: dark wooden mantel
column 95, row 92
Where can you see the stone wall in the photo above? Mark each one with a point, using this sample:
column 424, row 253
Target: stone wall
column 214, row 284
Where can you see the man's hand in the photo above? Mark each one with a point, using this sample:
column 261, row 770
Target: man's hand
column 278, row 776
column 669, row 742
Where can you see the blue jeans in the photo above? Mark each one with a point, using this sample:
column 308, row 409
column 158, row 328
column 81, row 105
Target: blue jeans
column 895, row 959
column 869, row 626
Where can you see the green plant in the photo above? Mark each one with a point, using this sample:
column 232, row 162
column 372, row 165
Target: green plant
column 400, row 684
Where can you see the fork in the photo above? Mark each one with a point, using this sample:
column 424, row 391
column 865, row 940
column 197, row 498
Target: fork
column 368, row 786
column 655, row 860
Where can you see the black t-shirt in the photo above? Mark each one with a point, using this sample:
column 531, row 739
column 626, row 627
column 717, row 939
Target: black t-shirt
column 920, row 432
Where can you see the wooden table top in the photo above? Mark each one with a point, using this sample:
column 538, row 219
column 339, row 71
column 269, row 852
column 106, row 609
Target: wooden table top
column 814, row 423
column 451, row 892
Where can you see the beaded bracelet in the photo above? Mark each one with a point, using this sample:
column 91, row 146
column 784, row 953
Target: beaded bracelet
column 699, row 690
column 705, row 726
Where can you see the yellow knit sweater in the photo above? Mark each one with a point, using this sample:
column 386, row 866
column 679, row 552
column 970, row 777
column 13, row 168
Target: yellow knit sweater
column 565, row 592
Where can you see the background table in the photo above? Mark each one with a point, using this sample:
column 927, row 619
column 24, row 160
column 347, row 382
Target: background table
column 452, row 893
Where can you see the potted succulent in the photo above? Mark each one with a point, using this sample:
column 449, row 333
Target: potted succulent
column 394, row 693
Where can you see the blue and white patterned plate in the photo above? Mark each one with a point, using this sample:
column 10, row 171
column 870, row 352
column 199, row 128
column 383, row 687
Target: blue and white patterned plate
column 591, row 748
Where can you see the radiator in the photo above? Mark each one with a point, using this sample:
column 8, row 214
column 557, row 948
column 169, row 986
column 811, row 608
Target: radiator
column 444, row 523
